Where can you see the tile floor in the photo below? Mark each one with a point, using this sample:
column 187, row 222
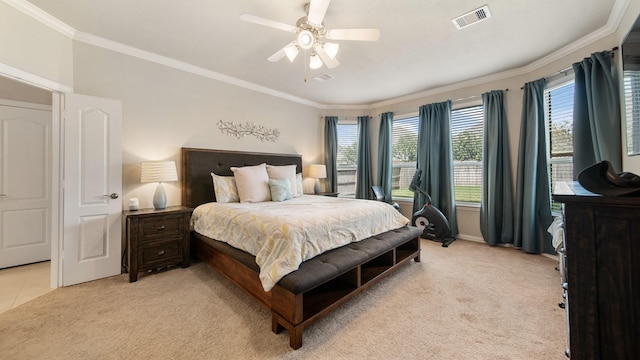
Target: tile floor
column 23, row 283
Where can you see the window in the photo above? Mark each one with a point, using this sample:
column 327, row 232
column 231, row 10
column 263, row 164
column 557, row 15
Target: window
column 404, row 152
column 466, row 140
column 558, row 102
column 632, row 109
column 346, row 159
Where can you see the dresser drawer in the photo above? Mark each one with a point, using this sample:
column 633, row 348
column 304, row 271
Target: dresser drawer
column 168, row 252
column 161, row 227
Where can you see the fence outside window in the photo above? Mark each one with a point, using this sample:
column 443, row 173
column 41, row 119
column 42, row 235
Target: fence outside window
column 467, row 178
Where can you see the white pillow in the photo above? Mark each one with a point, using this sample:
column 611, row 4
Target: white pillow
column 225, row 189
column 252, row 183
column 299, row 190
column 285, row 172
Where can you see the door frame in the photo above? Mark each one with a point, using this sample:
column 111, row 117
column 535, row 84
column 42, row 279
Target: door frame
column 57, row 141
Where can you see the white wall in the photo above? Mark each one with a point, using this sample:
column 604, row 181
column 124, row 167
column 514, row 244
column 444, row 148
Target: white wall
column 17, row 91
column 166, row 109
column 34, row 48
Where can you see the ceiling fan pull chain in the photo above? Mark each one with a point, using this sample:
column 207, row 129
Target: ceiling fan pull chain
column 305, row 66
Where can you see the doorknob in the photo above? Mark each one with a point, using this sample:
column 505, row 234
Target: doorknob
column 113, row 196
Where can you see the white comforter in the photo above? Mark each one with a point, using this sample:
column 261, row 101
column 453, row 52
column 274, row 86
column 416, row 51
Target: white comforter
column 282, row 235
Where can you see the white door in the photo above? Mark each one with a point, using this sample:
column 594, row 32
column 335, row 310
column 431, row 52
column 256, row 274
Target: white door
column 25, row 191
column 92, row 188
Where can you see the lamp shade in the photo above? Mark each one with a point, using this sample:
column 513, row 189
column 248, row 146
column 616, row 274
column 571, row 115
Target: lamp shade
column 291, row 51
column 158, row 171
column 315, row 62
column 317, row 171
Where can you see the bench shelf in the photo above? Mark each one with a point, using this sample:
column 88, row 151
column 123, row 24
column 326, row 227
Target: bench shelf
column 298, row 305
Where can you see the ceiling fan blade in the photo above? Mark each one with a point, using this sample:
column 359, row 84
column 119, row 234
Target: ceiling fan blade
column 266, row 22
column 317, row 9
column 278, row 55
column 326, row 59
column 353, row 34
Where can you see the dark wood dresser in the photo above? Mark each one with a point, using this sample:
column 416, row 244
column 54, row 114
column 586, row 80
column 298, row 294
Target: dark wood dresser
column 156, row 239
column 602, row 248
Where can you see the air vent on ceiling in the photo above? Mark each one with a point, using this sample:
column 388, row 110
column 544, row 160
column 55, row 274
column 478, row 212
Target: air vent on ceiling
column 323, row 77
column 472, row 17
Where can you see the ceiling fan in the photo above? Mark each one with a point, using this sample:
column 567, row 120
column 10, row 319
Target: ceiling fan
column 312, row 35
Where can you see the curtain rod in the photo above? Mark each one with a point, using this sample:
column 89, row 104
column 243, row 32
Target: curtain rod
column 351, row 117
column 403, row 111
column 472, row 97
column 611, row 52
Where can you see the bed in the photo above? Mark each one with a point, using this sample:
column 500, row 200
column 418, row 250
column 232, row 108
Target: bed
column 323, row 282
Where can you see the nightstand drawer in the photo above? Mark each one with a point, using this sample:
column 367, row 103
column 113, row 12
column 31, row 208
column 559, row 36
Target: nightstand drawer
column 161, row 226
column 164, row 253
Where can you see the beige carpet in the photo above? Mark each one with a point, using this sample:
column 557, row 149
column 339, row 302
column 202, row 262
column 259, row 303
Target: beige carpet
column 468, row 301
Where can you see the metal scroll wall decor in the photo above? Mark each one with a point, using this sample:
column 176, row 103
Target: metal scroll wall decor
column 241, row 130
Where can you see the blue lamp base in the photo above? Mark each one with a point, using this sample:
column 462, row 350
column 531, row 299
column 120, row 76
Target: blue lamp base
column 316, row 188
column 159, row 198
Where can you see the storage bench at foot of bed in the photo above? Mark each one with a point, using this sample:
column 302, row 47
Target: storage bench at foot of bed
column 321, row 284
column 304, row 296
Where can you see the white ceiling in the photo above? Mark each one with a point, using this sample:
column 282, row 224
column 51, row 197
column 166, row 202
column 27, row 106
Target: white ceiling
column 419, row 47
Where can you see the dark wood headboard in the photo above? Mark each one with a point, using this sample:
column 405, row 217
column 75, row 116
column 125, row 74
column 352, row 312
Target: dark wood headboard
column 198, row 164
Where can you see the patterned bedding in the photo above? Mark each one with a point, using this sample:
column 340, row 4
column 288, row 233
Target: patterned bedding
column 282, row 235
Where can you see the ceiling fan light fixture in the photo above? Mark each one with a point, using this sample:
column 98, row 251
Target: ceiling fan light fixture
column 315, row 62
column 305, row 39
column 291, row 51
column 331, row 49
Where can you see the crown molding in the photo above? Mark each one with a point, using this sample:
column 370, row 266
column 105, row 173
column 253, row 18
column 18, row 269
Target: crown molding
column 41, row 16
column 66, row 30
column 183, row 66
column 452, row 87
column 31, row 10
column 31, row 79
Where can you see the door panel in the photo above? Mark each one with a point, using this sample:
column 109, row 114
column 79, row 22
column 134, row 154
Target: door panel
column 92, row 172
column 93, row 242
column 25, row 175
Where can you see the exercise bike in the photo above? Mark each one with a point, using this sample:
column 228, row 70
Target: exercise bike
column 434, row 224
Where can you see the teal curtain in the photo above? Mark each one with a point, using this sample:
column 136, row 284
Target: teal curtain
column 385, row 161
column 331, row 152
column 496, row 206
column 435, row 158
column 596, row 113
column 533, row 198
column 363, row 166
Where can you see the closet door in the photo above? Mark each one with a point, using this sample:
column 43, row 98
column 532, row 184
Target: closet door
column 25, row 175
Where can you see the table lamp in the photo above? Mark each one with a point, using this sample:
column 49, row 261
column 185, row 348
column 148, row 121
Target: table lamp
column 159, row 171
column 317, row 172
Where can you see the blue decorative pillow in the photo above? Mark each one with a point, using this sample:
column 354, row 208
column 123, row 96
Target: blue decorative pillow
column 280, row 189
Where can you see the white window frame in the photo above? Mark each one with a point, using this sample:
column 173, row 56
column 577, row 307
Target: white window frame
column 406, row 169
column 553, row 83
column 472, row 102
column 344, row 190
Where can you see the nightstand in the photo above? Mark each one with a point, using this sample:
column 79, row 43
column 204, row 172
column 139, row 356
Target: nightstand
column 155, row 239
column 332, row 194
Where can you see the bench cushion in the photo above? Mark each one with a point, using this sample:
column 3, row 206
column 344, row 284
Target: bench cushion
column 330, row 264
column 333, row 263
